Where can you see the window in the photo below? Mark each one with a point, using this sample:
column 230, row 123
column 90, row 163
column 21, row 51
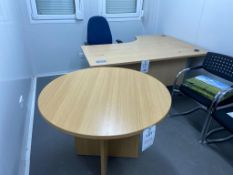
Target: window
column 57, row 9
column 122, row 9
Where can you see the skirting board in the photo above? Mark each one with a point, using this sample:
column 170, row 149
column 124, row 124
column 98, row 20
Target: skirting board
column 55, row 73
column 26, row 150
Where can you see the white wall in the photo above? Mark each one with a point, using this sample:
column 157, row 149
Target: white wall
column 12, row 125
column 13, row 63
column 56, row 47
column 216, row 27
column 150, row 18
column 15, row 80
column 207, row 23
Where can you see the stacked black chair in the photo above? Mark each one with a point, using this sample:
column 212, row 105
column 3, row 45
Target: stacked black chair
column 218, row 65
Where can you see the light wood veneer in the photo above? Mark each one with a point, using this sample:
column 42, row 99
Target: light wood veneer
column 105, row 109
column 153, row 48
column 104, row 103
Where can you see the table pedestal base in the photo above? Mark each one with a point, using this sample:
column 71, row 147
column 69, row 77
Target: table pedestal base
column 103, row 156
column 127, row 147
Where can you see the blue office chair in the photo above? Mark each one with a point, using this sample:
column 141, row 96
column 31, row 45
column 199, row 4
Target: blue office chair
column 215, row 64
column 98, row 31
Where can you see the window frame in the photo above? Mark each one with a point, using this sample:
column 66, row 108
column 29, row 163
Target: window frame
column 78, row 13
column 124, row 16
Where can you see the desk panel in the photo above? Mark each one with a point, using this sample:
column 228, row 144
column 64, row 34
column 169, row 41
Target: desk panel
column 164, row 71
column 167, row 55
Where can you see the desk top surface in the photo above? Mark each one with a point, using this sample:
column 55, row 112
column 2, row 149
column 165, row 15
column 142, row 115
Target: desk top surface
column 104, row 103
column 154, row 48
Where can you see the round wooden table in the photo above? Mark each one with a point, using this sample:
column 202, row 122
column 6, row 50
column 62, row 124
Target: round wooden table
column 106, row 109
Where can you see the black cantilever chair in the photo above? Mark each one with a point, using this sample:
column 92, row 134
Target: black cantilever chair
column 223, row 118
column 215, row 64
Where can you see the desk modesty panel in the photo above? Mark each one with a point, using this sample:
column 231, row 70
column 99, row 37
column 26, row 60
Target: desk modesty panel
column 153, row 48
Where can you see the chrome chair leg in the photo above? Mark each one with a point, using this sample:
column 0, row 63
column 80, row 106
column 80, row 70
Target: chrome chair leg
column 213, row 131
column 205, row 128
column 177, row 91
column 174, row 90
column 186, row 112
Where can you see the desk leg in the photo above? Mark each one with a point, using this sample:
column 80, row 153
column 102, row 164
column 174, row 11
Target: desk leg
column 104, row 156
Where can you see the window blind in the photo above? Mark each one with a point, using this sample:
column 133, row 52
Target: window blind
column 121, row 6
column 55, row 7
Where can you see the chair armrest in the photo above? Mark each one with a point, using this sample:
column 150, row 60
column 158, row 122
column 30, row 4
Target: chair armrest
column 119, row 41
column 184, row 71
column 218, row 98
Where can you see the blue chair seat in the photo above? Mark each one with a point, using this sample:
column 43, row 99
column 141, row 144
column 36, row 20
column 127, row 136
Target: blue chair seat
column 224, row 119
column 200, row 98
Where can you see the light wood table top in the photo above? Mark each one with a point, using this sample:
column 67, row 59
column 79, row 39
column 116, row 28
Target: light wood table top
column 104, row 103
column 153, row 48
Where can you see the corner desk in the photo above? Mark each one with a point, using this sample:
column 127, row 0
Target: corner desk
column 167, row 55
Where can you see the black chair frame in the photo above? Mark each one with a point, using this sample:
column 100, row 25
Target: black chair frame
column 210, row 132
column 214, row 103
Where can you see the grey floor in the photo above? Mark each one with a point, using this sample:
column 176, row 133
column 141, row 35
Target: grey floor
column 176, row 150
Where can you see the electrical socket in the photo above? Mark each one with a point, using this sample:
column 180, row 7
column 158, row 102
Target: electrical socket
column 81, row 55
column 21, row 101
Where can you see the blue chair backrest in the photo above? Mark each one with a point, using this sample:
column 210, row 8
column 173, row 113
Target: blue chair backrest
column 220, row 65
column 98, row 31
